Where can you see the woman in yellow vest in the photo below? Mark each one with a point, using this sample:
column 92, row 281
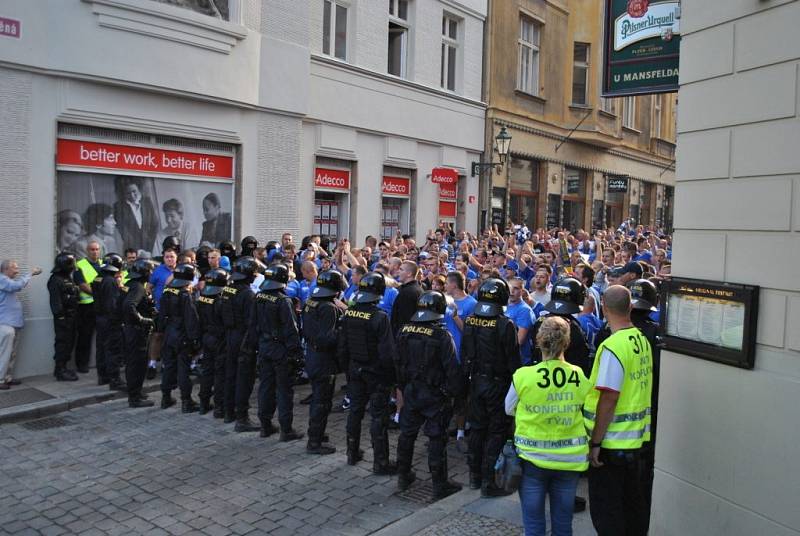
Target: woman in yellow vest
column 546, row 401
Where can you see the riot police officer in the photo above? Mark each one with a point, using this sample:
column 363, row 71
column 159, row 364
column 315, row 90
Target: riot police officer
column 209, row 310
column 177, row 319
column 274, row 333
column 138, row 311
column 429, row 374
column 366, row 341
column 490, row 349
column 320, row 324
column 566, row 299
column 227, row 249
column 237, row 307
column 108, row 322
column 249, row 245
column 644, row 300
column 64, row 306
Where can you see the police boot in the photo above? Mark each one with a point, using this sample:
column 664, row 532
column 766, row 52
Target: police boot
column 267, row 429
column 381, row 464
column 188, row 406
column 442, row 486
column 229, row 417
column 116, row 384
column 140, row 403
column 219, row 413
column 405, row 479
column 205, row 406
column 492, row 490
column 63, row 374
column 474, row 480
column 166, row 400
column 290, row 435
column 319, row 448
column 354, row 454
column 244, row 424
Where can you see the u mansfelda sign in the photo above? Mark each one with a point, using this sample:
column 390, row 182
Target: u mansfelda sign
column 641, row 47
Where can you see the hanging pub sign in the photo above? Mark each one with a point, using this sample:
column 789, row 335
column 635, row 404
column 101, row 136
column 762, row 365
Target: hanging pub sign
column 617, row 184
column 642, row 42
column 711, row 320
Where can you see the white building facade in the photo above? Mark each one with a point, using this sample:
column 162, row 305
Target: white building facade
column 216, row 118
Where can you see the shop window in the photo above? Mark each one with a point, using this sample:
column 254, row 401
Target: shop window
column 326, row 215
column 528, row 56
column 449, row 51
column 574, row 200
column 390, row 218
column 580, row 74
column 334, row 29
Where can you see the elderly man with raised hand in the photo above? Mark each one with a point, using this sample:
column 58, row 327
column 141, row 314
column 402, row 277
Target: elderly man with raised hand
column 11, row 320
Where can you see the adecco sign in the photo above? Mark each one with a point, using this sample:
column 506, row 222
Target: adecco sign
column 396, row 186
column 441, row 175
column 332, row 179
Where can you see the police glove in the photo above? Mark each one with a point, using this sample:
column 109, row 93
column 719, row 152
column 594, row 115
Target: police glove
column 148, row 323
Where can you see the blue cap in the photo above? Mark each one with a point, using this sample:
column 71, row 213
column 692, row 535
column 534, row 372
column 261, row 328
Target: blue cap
column 225, row 263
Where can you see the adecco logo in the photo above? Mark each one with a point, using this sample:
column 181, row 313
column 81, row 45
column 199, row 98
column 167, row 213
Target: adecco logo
column 396, row 186
column 332, row 178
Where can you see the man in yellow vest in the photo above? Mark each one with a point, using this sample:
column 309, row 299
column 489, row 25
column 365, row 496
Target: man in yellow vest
column 617, row 416
column 87, row 270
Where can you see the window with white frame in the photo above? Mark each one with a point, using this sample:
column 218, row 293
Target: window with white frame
column 334, row 29
column 580, row 74
column 608, row 105
column 398, row 38
column 528, row 59
column 449, row 51
column 629, row 112
column 657, row 105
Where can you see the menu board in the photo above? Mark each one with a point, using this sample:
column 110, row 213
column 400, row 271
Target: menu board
column 712, row 320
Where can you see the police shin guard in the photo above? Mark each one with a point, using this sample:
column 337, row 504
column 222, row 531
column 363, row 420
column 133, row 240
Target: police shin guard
column 475, row 458
column 405, row 454
column 354, row 454
column 380, row 454
column 442, row 485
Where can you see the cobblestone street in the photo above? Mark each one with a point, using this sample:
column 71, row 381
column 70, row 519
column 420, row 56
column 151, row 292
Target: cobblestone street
column 108, row 469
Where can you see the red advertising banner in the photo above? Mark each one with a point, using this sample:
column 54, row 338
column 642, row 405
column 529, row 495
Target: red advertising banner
column 332, row 179
column 441, row 175
column 89, row 154
column 448, row 192
column 10, row 27
column 447, row 209
column 396, row 186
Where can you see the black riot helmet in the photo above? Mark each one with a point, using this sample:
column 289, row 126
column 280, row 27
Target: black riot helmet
column 112, row 263
column 371, row 288
column 329, row 283
column 215, row 280
column 201, row 257
column 171, row 242
column 644, row 295
column 142, row 269
column 249, row 244
column 275, row 277
column 244, row 268
column 182, row 276
column 227, row 249
column 64, row 263
column 567, row 297
column 431, row 305
column 492, row 297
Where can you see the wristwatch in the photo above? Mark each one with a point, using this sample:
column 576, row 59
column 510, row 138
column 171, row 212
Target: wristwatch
column 595, row 445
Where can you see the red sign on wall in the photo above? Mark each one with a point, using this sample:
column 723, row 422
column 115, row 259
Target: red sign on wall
column 396, row 186
column 448, row 192
column 89, row 154
column 447, row 209
column 441, row 175
column 332, row 179
column 10, row 27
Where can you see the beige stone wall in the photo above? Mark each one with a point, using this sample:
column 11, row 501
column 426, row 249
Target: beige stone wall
column 726, row 460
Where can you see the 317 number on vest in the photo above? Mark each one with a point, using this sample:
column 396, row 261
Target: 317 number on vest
column 559, row 378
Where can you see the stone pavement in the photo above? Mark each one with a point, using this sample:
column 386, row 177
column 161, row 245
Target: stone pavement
column 109, row 469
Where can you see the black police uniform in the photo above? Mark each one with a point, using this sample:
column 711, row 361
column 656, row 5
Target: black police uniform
column 578, row 351
column 138, row 312
column 429, row 375
column 177, row 319
column 64, row 306
column 274, row 331
column 489, row 347
column 320, row 325
column 237, row 306
column 209, row 311
column 366, row 341
column 108, row 323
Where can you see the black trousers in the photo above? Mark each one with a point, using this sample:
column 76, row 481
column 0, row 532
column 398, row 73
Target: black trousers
column 322, row 389
column 213, row 346
column 489, row 424
column 363, row 387
column 136, row 358
column 275, row 390
column 245, row 380
column 109, row 347
column 423, row 407
column 176, row 363
column 65, row 334
column 85, row 324
column 617, row 501
column 233, row 343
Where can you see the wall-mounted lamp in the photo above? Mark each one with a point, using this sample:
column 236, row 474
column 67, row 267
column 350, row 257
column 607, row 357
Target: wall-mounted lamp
column 502, row 143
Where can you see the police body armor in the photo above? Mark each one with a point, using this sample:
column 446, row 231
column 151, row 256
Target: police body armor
column 171, row 310
column 486, row 356
column 317, row 315
column 423, row 344
column 360, row 340
column 209, row 310
column 578, row 351
column 232, row 311
column 69, row 294
column 268, row 313
column 146, row 308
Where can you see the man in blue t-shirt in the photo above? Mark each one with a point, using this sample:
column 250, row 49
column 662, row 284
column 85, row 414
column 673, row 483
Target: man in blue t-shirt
column 520, row 314
column 162, row 274
column 463, row 305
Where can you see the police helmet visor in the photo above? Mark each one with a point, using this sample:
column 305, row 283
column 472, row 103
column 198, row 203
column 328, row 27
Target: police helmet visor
column 323, row 292
column 367, row 297
column 179, row 283
column 109, row 268
column 211, row 290
column 561, row 307
column 269, row 284
column 426, row 315
column 488, row 309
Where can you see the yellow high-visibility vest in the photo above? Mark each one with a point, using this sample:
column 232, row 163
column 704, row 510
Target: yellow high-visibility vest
column 89, row 275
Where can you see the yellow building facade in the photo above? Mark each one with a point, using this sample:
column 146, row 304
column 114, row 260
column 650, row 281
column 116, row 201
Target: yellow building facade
column 572, row 152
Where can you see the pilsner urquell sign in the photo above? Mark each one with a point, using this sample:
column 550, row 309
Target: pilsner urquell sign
column 641, row 47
